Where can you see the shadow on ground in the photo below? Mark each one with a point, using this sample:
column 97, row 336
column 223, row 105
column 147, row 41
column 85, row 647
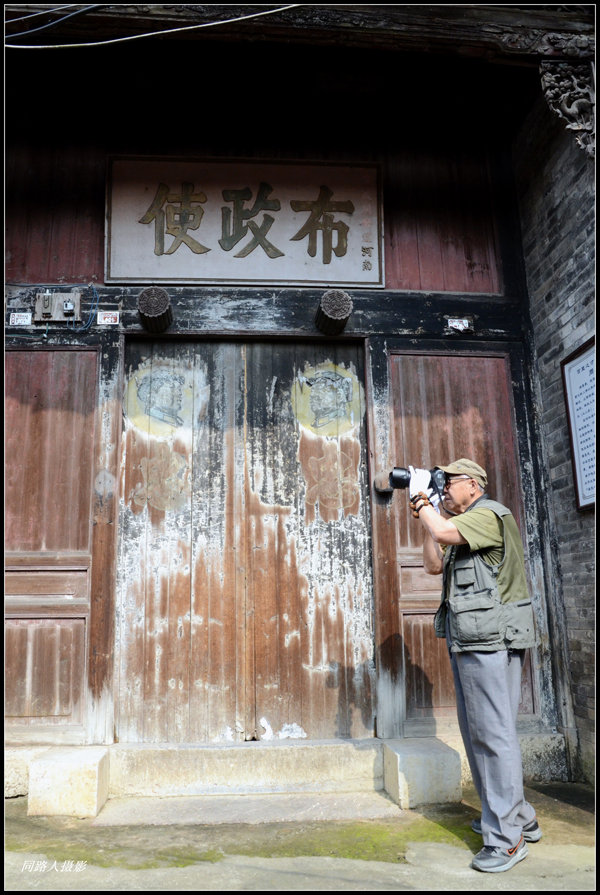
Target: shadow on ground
column 561, row 808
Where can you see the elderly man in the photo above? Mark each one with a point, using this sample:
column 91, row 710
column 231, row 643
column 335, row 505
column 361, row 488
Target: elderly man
column 486, row 617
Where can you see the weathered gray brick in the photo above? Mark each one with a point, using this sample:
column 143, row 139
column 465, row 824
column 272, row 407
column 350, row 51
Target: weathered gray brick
column 558, row 226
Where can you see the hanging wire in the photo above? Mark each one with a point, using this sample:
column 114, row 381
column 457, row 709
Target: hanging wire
column 93, row 310
column 40, row 12
column 77, row 12
column 100, row 43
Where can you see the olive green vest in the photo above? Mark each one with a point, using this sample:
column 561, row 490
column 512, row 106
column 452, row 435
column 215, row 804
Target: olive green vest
column 486, row 607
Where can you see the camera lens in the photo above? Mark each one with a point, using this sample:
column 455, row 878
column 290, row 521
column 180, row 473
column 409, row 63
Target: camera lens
column 399, row 477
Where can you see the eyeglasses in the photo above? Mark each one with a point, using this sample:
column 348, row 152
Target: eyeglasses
column 457, row 478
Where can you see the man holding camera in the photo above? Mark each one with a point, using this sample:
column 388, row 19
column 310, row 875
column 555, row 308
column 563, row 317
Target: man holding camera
column 486, row 617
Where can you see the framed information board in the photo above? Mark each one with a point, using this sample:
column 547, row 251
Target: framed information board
column 578, row 374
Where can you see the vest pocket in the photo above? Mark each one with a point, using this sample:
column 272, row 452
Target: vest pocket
column 475, row 618
column 518, row 620
column 464, row 571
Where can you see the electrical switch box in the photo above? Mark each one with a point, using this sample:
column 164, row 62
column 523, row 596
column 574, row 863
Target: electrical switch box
column 57, row 307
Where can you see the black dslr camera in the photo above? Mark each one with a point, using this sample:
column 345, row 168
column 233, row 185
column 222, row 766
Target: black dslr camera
column 399, row 477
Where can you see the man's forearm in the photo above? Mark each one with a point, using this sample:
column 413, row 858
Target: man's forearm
column 433, row 558
column 440, row 529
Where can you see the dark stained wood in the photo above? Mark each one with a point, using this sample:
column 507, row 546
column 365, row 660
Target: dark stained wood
column 485, row 31
column 428, row 685
column 454, row 406
column 438, row 222
column 56, row 234
column 287, row 313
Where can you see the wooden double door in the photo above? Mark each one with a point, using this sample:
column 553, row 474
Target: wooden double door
column 245, row 606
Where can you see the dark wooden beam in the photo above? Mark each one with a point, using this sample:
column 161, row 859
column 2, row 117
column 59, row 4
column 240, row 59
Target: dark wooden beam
column 212, row 311
column 517, row 33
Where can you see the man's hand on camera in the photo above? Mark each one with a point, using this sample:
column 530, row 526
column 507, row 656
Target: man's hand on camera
column 435, row 500
column 419, row 481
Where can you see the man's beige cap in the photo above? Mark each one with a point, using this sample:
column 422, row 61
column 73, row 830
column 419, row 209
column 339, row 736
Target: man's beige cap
column 467, row 467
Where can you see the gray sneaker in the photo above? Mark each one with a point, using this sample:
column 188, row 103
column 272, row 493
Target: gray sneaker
column 531, row 831
column 492, row 859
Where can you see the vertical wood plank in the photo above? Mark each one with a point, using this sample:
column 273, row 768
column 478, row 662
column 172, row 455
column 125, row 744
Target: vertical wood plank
column 454, row 272
column 428, row 232
column 21, row 429
column 178, row 533
column 484, row 272
column 214, row 556
column 401, row 238
column 17, row 681
column 59, row 239
column 207, row 523
column 439, row 227
column 132, row 564
column 337, row 646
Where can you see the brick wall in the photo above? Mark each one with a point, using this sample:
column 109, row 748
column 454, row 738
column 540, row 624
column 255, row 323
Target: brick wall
column 555, row 186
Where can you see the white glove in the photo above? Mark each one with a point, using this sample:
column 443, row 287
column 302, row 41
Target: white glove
column 434, row 499
column 419, row 481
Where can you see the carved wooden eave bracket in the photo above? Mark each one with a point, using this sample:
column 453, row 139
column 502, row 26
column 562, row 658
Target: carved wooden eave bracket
column 567, row 75
column 569, row 91
column 540, row 42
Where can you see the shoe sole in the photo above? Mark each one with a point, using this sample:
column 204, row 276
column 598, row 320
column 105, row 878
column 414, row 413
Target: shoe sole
column 520, row 855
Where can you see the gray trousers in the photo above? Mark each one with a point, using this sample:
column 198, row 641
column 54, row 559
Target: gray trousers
column 488, row 691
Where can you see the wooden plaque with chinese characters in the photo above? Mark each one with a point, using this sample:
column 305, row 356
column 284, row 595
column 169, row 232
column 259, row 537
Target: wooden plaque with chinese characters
column 185, row 221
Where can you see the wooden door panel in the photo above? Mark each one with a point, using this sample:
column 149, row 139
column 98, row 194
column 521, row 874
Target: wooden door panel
column 309, row 542
column 426, row 667
column 177, row 566
column 245, row 553
column 49, row 422
column 445, row 407
column 46, row 658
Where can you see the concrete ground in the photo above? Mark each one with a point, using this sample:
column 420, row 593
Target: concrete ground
column 293, row 842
